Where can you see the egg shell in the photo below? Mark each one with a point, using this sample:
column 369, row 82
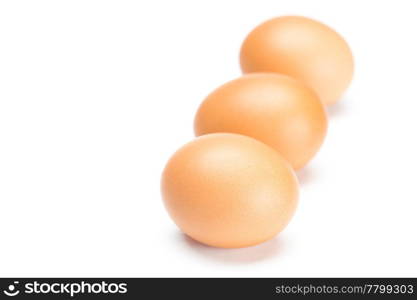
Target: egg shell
column 228, row 190
column 301, row 48
column 274, row 109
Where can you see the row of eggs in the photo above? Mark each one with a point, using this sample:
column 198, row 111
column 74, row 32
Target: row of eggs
column 234, row 185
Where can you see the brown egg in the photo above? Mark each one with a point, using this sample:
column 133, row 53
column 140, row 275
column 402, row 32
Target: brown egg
column 274, row 109
column 301, row 48
column 229, row 190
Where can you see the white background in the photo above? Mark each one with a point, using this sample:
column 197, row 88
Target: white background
column 96, row 95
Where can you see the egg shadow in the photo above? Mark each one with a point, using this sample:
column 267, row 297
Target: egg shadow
column 306, row 175
column 248, row 255
column 339, row 109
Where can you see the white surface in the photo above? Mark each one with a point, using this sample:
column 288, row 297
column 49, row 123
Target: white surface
column 96, row 95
